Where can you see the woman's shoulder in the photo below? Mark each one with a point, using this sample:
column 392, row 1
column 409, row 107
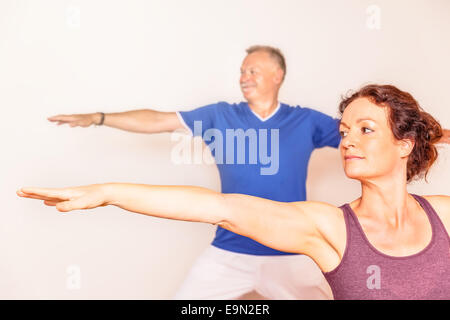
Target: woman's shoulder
column 327, row 217
column 441, row 204
column 330, row 223
column 318, row 208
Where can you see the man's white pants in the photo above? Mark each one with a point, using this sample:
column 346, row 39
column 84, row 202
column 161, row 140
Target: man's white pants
column 220, row 274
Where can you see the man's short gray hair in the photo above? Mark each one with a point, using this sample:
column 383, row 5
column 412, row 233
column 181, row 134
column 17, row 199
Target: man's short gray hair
column 274, row 53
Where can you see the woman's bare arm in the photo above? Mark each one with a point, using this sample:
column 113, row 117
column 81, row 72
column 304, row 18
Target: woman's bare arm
column 289, row 227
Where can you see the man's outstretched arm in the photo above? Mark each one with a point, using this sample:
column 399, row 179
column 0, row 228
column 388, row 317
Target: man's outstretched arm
column 445, row 136
column 140, row 121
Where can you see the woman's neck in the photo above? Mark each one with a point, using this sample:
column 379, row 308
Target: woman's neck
column 385, row 199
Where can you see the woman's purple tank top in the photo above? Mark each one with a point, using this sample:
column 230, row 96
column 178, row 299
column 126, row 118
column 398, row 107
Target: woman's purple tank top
column 365, row 273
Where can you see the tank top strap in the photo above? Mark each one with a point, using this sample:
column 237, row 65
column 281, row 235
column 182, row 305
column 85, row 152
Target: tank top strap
column 436, row 222
column 355, row 235
column 348, row 215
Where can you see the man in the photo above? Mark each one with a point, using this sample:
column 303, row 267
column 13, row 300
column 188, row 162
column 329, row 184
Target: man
column 265, row 153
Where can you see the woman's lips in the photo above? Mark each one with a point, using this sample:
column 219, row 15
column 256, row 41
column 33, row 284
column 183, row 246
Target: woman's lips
column 353, row 158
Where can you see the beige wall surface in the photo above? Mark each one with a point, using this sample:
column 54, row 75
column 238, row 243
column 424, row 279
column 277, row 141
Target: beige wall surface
column 69, row 56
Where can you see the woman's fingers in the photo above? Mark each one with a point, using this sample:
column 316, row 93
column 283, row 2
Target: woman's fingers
column 51, row 203
column 47, row 200
column 89, row 201
column 46, row 193
column 32, row 196
column 66, row 206
column 66, row 199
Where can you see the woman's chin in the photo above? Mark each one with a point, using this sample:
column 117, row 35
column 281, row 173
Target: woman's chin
column 353, row 174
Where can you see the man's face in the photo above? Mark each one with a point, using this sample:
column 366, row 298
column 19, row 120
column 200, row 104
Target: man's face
column 261, row 76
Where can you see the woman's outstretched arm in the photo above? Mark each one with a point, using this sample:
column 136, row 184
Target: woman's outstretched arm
column 284, row 226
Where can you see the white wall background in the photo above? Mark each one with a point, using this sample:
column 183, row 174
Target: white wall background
column 69, row 56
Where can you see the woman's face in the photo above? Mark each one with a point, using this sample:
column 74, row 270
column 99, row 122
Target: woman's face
column 368, row 148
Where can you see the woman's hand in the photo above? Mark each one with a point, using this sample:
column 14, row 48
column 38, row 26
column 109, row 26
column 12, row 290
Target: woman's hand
column 68, row 199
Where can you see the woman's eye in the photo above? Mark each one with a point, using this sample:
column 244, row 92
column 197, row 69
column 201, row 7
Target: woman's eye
column 366, row 130
column 343, row 133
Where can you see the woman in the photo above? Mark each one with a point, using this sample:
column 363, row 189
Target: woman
column 387, row 244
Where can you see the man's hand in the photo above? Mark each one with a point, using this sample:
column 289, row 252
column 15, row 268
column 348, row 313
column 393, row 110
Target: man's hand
column 140, row 121
column 67, row 199
column 77, row 120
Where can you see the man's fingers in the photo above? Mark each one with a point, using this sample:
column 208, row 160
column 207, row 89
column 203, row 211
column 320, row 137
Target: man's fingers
column 59, row 117
column 73, row 120
column 63, row 118
column 54, row 118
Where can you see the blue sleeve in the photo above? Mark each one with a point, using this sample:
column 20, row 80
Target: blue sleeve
column 326, row 130
column 201, row 119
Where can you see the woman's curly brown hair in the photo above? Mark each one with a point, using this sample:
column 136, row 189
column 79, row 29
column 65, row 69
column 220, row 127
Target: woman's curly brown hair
column 407, row 121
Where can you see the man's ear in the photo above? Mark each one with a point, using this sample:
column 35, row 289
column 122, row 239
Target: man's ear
column 279, row 74
column 406, row 147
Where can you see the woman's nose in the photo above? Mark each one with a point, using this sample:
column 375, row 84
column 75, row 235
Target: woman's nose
column 348, row 141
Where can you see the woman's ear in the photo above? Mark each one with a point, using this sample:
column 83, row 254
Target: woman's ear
column 406, row 147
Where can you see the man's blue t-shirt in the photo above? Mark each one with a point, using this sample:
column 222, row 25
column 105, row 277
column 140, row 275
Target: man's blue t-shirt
column 267, row 158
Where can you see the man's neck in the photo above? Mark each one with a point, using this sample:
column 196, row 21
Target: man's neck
column 264, row 108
